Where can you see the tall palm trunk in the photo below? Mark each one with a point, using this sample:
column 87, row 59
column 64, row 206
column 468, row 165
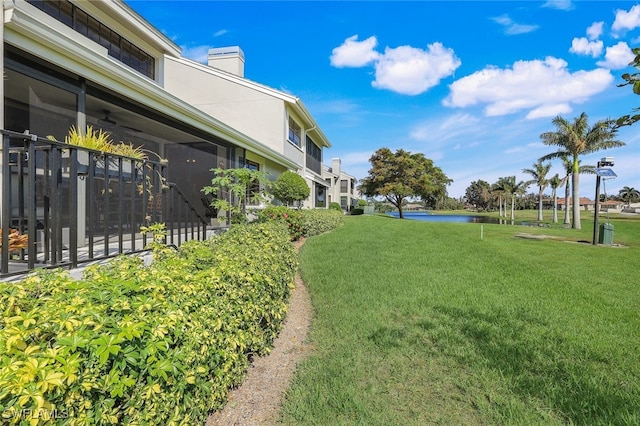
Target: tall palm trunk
column 513, row 208
column 555, row 206
column 567, row 202
column 575, row 183
column 500, row 205
column 540, row 205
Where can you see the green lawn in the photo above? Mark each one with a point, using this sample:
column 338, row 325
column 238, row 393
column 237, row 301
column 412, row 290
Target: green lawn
column 426, row 323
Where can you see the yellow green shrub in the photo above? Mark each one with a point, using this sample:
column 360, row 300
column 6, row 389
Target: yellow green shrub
column 130, row 344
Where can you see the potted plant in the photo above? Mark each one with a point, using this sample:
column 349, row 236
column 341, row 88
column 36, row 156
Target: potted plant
column 99, row 140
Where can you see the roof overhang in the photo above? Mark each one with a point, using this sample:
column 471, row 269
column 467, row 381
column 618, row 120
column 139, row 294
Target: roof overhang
column 65, row 48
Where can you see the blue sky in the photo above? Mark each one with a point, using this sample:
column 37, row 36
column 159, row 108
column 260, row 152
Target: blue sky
column 471, row 84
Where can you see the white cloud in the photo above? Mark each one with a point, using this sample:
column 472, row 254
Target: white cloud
column 549, row 111
column 354, row 53
column 405, row 69
column 411, row 71
column 513, row 28
column 220, row 33
column 582, row 46
column 197, row 53
column 537, row 86
column 440, row 131
column 626, row 20
column 559, row 4
column 617, row 57
column 595, row 30
column 528, row 147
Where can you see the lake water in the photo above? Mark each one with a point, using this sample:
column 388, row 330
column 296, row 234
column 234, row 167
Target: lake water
column 460, row 218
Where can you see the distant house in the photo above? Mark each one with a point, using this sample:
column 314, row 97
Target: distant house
column 612, row 206
column 341, row 187
column 585, row 203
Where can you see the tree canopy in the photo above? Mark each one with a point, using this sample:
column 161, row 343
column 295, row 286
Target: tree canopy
column 633, row 80
column 478, row 193
column 290, row 187
column 401, row 176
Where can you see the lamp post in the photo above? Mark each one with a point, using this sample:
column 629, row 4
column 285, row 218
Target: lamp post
column 600, row 172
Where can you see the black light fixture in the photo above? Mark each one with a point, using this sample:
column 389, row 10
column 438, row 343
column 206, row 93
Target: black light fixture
column 106, row 118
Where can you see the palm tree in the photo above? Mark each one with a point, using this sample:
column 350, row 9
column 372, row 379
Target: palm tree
column 512, row 189
column 568, row 168
column 499, row 189
column 629, row 195
column 539, row 175
column 555, row 182
column 576, row 139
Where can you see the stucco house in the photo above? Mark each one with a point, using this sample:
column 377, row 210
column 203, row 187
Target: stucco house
column 278, row 120
column 78, row 63
column 341, row 187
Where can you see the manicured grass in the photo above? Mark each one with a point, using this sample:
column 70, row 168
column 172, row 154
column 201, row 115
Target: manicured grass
column 425, row 323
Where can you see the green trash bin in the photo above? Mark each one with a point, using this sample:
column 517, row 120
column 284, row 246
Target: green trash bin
column 606, row 234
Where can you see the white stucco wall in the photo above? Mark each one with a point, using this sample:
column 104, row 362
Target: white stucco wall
column 258, row 115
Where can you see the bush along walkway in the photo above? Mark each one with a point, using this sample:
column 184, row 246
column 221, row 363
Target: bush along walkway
column 130, row 344
column 258, row 400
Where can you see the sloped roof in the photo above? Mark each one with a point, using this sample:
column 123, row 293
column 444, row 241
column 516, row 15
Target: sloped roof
column 295, row 102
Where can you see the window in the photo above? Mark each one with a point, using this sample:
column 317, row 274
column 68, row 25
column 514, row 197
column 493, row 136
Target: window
column 320, row 195
column 343, row 203
column 118, row 48
column 344, row 186
column 314, row 156
column 254, row 189
column 294, row 132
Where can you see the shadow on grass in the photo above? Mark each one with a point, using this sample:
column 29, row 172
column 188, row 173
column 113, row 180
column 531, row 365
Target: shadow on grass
column 570, row 378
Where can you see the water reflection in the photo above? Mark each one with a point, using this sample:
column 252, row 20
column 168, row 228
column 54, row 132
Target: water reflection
column 459, row 218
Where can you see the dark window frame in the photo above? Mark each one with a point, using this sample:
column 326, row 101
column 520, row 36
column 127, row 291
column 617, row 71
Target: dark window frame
column 85, row 24
column 295, row 132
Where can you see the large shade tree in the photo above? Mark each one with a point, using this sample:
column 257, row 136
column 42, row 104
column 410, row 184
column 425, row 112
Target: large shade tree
column 400, row 176
column 538, row 172
column 575, row 139
column 478, row 193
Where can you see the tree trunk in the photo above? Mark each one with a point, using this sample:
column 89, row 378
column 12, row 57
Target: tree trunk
column 567, row 203
column 575, row 180
column 500, row 205
column 513, row 207
column 555, row 207
column 540, row 205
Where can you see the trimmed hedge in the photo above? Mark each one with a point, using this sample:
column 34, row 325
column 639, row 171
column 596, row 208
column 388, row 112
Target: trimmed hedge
column 335, row 206
column 319, row 221
column 301, row 223
column 282, row 214
column 130, row 344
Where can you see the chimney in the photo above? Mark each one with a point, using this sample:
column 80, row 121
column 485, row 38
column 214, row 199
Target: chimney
column 335, row 166
column 229, row 59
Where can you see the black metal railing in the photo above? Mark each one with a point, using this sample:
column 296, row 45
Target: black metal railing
column 75, row 205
